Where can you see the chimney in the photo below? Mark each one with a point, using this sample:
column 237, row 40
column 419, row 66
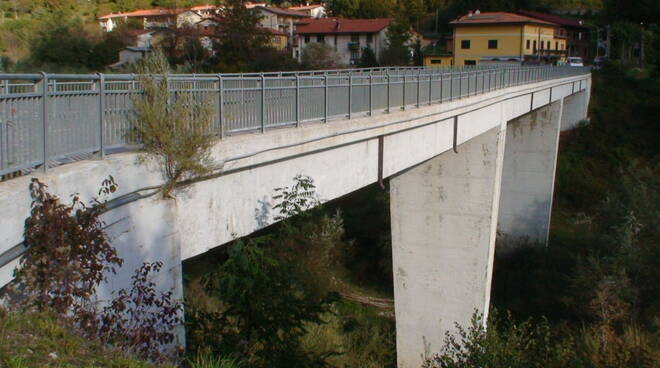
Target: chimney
column 470, row 13
column 477, row 12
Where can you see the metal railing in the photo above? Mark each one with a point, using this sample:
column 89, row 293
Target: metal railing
column 49, row 119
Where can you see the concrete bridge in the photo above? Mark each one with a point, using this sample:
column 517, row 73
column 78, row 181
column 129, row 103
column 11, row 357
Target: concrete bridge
column 469, row 154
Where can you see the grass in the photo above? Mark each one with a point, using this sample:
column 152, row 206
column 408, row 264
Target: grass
column 39, row 340
column 359, row 336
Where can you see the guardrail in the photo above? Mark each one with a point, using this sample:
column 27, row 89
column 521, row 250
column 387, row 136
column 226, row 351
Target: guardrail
column 50, row 119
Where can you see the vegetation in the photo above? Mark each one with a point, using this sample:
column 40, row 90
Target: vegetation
column 319, row 56
column 67, row 258
column 273, row 299
column 174, row 129
column 40, row 339
column 593, row 287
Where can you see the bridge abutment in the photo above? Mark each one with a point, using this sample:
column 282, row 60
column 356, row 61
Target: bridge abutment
column 444, row 214
column 530, row 161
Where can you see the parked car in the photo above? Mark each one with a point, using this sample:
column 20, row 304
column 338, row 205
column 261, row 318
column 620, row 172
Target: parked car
column 574, row 61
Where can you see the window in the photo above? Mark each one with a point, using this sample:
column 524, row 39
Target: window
column 528, row 42
column 355, row 38
column 436, row 61
column 355, row 56
column 492, row 44
column 370, row 38
column 548, row 45
column 465, row 44
column 470, row 62
column 307, row 39
column 556, row 45
column 320, row 39
column 535, row 46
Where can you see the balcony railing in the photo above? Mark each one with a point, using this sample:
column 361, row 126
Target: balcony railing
column 50, row 119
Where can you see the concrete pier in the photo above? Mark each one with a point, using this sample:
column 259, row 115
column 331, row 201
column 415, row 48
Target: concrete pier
column 444, row 215
column 530, row 161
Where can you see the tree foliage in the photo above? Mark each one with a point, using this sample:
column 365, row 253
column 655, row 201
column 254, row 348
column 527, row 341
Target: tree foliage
column 175, row 130
column 318, row 56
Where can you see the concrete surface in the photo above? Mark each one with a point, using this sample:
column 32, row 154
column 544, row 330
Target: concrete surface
column 530, row 161
column 444, row 214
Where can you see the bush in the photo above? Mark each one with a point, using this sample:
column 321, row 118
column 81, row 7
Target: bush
column 504, row 344
column 317, row 56
column 175, row 130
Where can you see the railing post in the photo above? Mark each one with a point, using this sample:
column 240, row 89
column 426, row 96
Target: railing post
column 297, row 100
column 451, row 86
column 371, row 94
column 221, row 106
column 419, row 78
column 101, row 90
column 388, row 92
column 325, row 97
column 44, row 118
column 263, row 103
column 430, row 88
column 350, row 95
column 403, row 105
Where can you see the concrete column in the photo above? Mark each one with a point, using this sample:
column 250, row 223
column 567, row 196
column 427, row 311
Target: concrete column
column 575, row 110
column 530, row 160
column 444, row 215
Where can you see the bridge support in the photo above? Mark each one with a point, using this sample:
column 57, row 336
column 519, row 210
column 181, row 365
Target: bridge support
column 444, row 215
column 530, row 160
column 575, row 109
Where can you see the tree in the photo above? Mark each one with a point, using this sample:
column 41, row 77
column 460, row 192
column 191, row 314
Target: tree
column 175, row 130
column 368, row 59
column 398, row 50
column 238, row 38
column 319, row 56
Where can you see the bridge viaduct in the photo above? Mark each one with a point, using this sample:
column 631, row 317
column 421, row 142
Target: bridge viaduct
column 463, row 169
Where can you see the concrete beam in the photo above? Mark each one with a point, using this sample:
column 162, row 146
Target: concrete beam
column 444, row 214
column 530, row 160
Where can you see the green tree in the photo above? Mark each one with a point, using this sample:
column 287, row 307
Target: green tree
column 264, row 311
column 175, row 131
column 319, row 56
column 397, row 52
column 368, row 59
column 238, row 40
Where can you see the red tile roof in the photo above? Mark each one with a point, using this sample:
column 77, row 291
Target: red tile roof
column 273, row 31
column 145, row 13
column 497, row 17
column 305, row 7
column 284, row 12
column 340, row 25
column 567, row 22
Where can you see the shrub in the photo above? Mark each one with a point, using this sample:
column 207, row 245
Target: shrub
column 504, row 344
column 175, row 130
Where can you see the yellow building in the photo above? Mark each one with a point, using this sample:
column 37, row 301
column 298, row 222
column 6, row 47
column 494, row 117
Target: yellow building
column 506, row 37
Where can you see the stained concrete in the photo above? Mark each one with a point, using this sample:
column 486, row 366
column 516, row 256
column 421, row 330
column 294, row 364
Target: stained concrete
column 530, row 160
column 443, row 215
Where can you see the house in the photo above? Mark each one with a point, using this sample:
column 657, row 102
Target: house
column 577, row 32
column 159, row 18
column 499, row 37
column 279, row 19
column 130, row 55
column 151, row 18
column 349, row 37
column 312, row 10
column 207, row 28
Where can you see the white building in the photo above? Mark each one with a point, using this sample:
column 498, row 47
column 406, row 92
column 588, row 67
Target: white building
column 312, row 10
column 349, row 37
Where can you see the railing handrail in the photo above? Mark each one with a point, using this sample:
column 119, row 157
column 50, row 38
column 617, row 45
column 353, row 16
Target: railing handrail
column 55, row 118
